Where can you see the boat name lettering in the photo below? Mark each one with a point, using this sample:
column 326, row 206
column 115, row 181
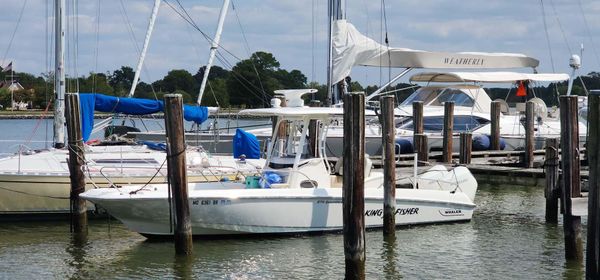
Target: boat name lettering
column 451, row 212
column 463, row 61
column 211, row 202
column 399, row 211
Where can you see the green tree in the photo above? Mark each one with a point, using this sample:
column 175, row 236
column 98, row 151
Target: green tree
column 291, row 80
column 121, row 80
column 144, row 90
column 253, row 80
column 96, row 83
column 216, row 94
column 216, row 72
column 179, row 80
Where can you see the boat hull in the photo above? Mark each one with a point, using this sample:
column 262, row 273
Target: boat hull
column 277, row 211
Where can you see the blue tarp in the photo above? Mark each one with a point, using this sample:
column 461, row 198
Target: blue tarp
column 90, row 102
column 245, row 143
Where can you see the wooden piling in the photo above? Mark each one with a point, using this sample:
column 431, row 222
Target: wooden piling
column 417, row 117
column 448, row 132
column 466, row 144
column 176, row 166
column 76, row 162
column 313, row 131
column 592, row 263
column 421, row 149
column 495, row 118
column 529, row 134
column 389, row 164
column 552, row 190
column 353, row 185
column 569, row 143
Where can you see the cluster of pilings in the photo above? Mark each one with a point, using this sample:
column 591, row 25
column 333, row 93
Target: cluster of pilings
column 353, row 178
column 420, row 140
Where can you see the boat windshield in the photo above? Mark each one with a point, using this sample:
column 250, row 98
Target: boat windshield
column 436, row 123
column 437, row 97
column 426, row 95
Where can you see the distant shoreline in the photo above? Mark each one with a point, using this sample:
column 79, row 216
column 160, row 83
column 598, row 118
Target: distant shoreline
column 34, row 115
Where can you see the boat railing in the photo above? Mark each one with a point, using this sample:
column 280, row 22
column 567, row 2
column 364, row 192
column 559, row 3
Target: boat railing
column 22, row 149
column 209, row 173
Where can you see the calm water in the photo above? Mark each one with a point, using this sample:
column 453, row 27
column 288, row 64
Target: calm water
column 507, row 239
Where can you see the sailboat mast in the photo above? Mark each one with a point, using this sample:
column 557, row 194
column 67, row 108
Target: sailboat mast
column 335, row 11
column 59, row 74
column 213, row 49
column 136, row 77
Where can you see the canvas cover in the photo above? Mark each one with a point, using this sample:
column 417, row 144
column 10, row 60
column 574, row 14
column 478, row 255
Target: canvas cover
column 351, row 48
column 91, row 102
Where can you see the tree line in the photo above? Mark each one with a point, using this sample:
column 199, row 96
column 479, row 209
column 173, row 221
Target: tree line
column 250, row 83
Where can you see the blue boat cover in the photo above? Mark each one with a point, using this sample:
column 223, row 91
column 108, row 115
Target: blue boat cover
column 90, row 102
column 406, row 145
column 483, row 142
column 245, row 143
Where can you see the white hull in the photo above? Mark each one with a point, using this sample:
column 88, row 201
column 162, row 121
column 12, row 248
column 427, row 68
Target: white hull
column 276, row 211
column 294, row 193
column 39, row 183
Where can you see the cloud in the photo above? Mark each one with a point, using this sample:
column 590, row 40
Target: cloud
column 286, row 28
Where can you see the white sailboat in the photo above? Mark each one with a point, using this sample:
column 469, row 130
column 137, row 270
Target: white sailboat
column 295, row 193
column 35, row 183
column 350, row 48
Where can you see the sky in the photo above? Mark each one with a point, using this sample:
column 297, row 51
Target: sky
column 295, row 32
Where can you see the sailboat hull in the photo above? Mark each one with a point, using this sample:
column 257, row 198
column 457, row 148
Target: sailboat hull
column 38, row 183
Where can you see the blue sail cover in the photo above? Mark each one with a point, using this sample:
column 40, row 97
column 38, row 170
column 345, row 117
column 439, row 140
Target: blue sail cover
column 245, row 143
column 90, row 102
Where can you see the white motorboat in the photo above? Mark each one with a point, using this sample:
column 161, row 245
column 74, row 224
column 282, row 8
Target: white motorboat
column 295, row 193
column 472, row 108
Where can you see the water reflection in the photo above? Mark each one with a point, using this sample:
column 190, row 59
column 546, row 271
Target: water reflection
column 390, row 258
column 183, row 266
column 77, row 253
column 507, row 238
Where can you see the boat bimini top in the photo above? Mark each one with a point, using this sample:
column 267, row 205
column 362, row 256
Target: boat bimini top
column 486, row 77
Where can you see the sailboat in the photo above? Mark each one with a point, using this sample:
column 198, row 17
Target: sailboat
column 36, row 183
column 297, row 192
column 350, row 48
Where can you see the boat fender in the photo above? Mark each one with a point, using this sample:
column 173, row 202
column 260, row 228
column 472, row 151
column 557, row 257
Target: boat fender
column 483, row 143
